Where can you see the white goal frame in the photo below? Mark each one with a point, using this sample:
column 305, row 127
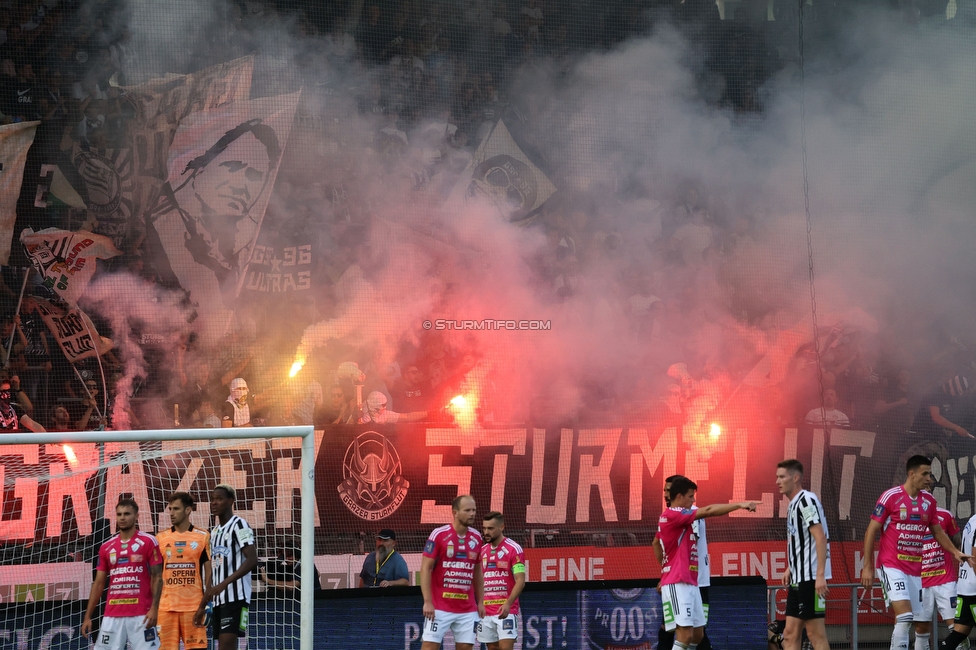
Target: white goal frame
column 307, row 435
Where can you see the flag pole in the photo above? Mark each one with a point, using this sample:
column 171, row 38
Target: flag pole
column 20, row 300
column 88, row 392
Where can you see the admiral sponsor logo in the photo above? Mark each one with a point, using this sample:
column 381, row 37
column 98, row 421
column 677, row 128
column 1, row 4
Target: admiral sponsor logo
column 373, row 486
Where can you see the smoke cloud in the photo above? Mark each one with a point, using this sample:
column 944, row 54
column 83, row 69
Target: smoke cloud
column 663, row 197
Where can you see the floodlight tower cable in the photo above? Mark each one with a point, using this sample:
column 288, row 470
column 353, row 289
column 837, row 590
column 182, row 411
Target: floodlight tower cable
column 809, row 219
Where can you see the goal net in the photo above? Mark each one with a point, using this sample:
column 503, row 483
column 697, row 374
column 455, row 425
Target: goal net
column 59, row 496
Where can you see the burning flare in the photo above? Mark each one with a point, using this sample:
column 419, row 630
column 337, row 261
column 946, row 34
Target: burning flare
column 459, row 401
column 715, row 431
column 69, row 455
column 296, row 368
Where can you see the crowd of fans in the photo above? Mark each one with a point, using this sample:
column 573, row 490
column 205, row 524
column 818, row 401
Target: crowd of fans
column 449, row 64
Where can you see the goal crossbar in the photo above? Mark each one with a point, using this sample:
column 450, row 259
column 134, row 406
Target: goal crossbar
column 307, row 435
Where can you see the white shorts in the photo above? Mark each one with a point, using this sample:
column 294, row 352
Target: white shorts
column 681, row 606
column 942, row 596
column 898, row 586
column 491, row 628
column 464, row 626
column 116, row 630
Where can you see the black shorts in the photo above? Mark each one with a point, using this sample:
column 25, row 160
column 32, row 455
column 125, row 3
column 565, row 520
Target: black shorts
column 802, row 601
column 230, row 618
column 965, row 615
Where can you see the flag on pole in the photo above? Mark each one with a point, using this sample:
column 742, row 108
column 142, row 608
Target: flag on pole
column 222, row 168
column 72, row 329
column 65, row 259
column 15, row 140
column 504, row 176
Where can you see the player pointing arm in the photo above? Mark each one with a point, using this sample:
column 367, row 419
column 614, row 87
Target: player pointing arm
column 681, row 598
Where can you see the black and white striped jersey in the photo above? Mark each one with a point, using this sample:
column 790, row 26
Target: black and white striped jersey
column 227, row 544
column 801, row 549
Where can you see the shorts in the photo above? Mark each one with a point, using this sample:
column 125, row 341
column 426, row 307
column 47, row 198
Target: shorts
column 942, row 596
column 117, row 630
column 230, row 618
column 491, row 628
column 176, row 626
column 464, row 626
column 681, row 606
column 898, row 586
column 802, row 601
column 966, row 611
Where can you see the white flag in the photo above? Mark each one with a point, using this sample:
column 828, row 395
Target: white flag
column 503, row 175
column 15, row 140
column 71, row 328
column 221, row 171
column 65, row 259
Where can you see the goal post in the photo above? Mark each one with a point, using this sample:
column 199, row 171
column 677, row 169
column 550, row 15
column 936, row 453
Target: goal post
column 214, row 442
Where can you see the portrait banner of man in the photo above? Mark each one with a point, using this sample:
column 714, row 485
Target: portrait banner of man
column 501, row 175
column 221, row 171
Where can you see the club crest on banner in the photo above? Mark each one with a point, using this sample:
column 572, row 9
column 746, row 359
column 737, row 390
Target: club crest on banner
column 373, row 486
column 109, row 189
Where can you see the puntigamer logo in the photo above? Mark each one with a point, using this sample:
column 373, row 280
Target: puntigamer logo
column 373, row 486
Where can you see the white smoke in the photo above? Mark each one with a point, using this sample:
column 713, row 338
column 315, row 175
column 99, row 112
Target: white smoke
column 127, row 303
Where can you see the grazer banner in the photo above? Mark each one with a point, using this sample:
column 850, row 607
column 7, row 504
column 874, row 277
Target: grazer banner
column 562, row 481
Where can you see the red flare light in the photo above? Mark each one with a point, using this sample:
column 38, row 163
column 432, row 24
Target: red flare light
column 714, row 431
column 69, row 455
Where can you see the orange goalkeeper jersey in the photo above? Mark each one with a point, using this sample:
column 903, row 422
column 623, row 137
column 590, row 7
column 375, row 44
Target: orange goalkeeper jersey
column 184, row 555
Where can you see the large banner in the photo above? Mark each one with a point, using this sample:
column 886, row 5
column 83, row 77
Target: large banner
column 558, row 482
column 221, row 170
